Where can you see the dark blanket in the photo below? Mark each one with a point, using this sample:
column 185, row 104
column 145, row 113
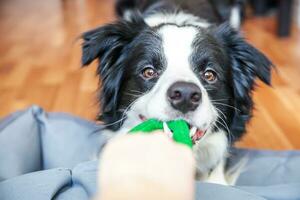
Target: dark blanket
column 53, row 156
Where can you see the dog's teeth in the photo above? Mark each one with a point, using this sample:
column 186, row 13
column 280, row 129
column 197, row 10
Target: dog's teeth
column 193, row 131
column 167, row 130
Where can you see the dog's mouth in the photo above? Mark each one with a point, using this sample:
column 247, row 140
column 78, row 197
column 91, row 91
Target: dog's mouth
column 196, row 134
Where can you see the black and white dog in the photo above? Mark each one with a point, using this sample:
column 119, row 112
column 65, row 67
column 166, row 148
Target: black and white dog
column 177, row 59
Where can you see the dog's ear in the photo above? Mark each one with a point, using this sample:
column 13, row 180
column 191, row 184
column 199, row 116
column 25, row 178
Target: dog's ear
column 247, row 64
column 104, row 41
column 108, row 44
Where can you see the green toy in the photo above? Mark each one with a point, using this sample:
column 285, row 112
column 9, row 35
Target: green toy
column 177, row 129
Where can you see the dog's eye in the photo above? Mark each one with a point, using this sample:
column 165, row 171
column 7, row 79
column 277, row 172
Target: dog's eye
column 149, row 73
column 210, row 76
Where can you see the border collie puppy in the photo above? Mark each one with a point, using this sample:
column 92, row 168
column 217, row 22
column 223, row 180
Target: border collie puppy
column 177, row 59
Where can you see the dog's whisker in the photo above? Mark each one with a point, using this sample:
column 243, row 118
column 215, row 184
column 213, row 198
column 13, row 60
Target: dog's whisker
column 128, row 107
column 222, row 113
column 228, row 130
column 219, row 129
column 218, row 100
column 231, row 136
column 226, row 127
column 229, row 106
column 122, row 118
column 113, row 123
column 136, row 91
column 133, row 95
column 210, row 87
column 224, row 123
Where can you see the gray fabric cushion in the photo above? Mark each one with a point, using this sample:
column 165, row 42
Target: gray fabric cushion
column 53, row 156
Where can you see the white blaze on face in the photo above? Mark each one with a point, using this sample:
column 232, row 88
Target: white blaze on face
column 177, row 47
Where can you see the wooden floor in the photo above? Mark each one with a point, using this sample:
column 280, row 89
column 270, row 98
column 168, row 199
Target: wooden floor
column 40, row 64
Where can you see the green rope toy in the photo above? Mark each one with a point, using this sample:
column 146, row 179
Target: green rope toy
column 178, row 130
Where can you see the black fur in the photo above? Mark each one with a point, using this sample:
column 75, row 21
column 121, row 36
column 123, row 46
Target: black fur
column 247, row 64
column 107, row 44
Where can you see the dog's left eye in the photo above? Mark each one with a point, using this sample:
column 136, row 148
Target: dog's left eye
column 149, row 73
column 210, row 76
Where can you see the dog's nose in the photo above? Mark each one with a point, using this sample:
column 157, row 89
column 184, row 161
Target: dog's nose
column 184, row 96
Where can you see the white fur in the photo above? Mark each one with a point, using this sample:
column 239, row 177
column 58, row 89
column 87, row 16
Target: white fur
column 218, row 175
column 235, row 18
column 179, row 18
column 127, row 15
column 209, row 153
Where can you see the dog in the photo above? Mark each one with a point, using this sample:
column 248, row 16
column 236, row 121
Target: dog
column 178, row 60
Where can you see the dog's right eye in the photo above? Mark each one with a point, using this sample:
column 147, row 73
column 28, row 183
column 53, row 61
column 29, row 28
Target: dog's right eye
column 149, row 73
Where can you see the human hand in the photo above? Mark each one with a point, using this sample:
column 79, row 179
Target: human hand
column 146, row 167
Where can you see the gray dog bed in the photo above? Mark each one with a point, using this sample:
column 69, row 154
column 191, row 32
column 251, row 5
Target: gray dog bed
column 52, row 156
